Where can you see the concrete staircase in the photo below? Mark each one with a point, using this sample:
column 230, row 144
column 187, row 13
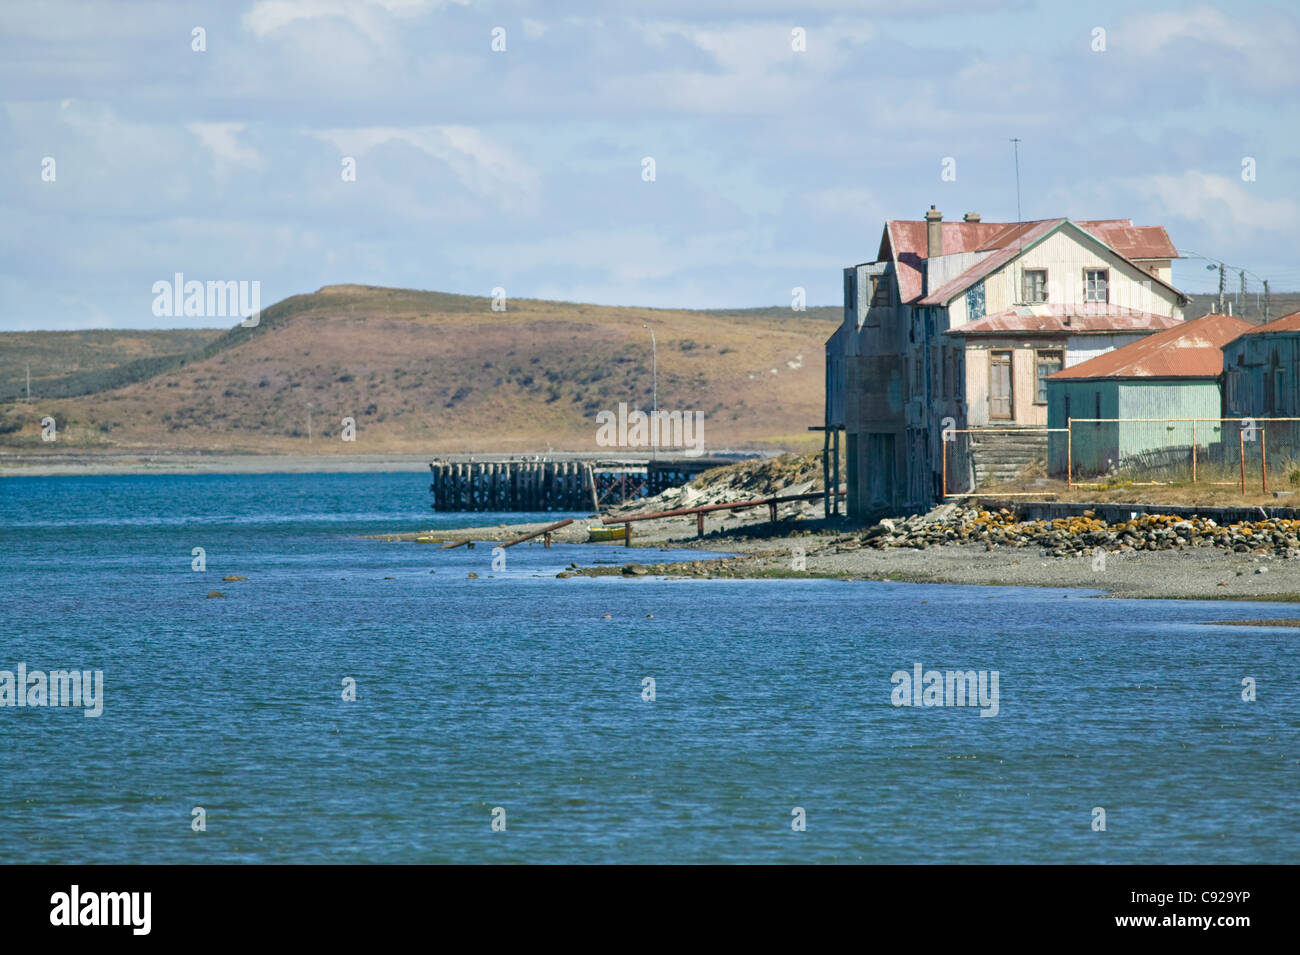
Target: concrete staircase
column 1000, row 458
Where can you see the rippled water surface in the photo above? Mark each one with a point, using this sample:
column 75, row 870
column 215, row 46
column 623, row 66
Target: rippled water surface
column 516, row 690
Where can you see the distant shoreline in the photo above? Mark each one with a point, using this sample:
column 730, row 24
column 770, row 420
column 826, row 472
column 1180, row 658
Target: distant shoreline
column 198, row 462
column 25, row 464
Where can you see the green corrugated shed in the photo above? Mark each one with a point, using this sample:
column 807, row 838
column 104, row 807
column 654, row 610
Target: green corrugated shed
column 1172, row 374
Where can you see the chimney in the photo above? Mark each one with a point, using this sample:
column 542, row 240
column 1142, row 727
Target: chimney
column 971, row 217
column 933, row 233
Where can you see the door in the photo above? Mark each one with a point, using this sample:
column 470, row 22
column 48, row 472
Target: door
column 881, row 471
column 1000, row 396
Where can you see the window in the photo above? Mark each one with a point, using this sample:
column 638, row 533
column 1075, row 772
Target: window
column 850, row 292
column 1096, row 285
column 1049, row 363
column 975, row 301
column 1000, row 397
column 1034, row 286
column 880, row 289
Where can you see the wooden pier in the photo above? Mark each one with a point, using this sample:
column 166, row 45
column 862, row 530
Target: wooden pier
column 557, row 485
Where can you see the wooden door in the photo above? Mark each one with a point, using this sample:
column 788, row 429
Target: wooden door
column 1001, row 399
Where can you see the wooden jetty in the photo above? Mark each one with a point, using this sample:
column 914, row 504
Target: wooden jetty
column 557, row 485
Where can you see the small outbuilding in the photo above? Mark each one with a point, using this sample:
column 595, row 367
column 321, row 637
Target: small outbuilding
column 1154, row 387
column 1261, row 368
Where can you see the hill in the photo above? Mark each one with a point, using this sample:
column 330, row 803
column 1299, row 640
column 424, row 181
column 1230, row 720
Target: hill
column 63, row 364
column 420, row 372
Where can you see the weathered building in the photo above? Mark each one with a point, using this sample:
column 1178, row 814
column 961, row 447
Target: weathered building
column 1262, row 371
column 1261, row 380
column 965, row 321
column 1174, row 374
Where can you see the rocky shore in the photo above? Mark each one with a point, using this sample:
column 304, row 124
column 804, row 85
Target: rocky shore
column 1188, row 556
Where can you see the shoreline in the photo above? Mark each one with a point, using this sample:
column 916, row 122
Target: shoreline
column 86, row 464
column 92, row 463
column 836, row 553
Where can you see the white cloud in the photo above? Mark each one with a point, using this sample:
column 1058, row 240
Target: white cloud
column 222, row 140
column 370, row 17
column 1259, row 54
column 1229, row 207
column 757, row 70
column 484, row 167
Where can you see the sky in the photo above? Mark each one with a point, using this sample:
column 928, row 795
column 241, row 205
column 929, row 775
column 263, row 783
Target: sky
column 680, row 153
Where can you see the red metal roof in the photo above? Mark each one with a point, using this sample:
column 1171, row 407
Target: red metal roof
column 1016, row 239
column 904, row 241
column 1193, row 349
column 1287, row 323
column 1081, row 319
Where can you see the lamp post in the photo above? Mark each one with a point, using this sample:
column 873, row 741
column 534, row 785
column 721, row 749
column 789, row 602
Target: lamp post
column 654, row 379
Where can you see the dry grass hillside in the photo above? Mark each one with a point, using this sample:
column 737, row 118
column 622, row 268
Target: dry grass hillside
column 429, row 372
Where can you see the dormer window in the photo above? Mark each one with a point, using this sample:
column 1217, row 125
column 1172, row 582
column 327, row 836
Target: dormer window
column 1034, row 286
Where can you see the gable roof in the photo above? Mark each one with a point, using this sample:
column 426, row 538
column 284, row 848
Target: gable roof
column 1091, row 318
column 1193, row 349
column 1021, row 240
column 903, row 242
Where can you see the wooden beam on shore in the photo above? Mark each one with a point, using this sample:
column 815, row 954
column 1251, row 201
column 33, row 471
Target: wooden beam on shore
column 539, row 532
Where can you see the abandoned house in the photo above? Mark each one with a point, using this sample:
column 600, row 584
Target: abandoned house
column 966, row 321
column 1261, row 380
column 1261, row 369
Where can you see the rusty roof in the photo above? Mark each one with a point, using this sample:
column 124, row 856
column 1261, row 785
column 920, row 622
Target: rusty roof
column 1192, row 349
column 904, row 242
column 1018, row 238
column 1090, row 318
column 1287, row 323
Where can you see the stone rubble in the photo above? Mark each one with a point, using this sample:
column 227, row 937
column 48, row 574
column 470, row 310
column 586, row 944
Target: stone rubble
column 1073, row 536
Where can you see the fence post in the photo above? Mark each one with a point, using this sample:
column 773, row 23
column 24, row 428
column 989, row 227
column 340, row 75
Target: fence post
column 1263, row 459
column 1193, row 450
column 1069, row 453
column 943, row 447
column 1241, row 441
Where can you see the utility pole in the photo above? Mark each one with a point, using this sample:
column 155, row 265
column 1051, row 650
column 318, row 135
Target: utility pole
column 1223, row 276
column 1265, row 301
column 654, row 365
column 1016, row 143
column 1241, row 295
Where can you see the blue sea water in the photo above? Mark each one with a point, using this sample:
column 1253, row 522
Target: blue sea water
column 525, row 692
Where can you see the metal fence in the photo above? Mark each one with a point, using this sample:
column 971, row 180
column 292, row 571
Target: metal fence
column 1250, row 453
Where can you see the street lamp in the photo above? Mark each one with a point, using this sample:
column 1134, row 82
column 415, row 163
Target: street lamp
column 654, row 366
